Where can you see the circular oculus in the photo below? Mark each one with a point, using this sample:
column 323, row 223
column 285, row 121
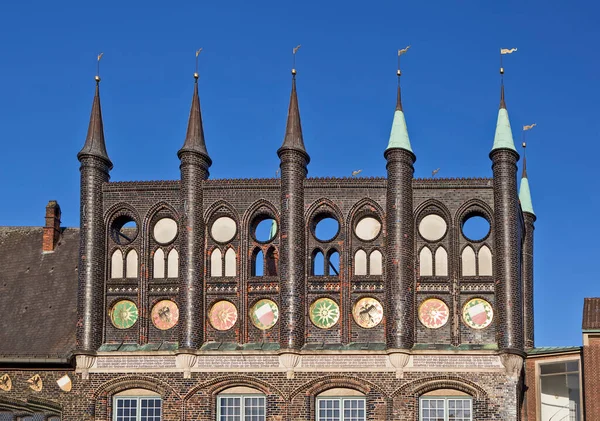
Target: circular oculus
column 223, row 229
column 367, row 312
column 223, row 315
column 434, row 313
column 264, row 314
column 324, row 313
column 124, row 314
column 165, row 230
column 477, row 313
column 367, row 228
column 165, row 314
column 432, row 227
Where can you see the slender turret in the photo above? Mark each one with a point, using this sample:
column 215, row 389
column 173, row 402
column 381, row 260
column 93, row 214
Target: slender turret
column 527, row 257
column 293, row 164
column 194, row 166
column 507, row 235
column 400, row 262
column 95, row 168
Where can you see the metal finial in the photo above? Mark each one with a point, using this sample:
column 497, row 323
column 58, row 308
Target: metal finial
column 198, row 51
column 97, row 77
column 294, row 51
column 524, row 145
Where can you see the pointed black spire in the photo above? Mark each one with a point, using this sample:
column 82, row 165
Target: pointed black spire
column 293, row 130
column 399, row 100
column 502, row 102
column 524, row 175
column 94, row 142
column 194, row 138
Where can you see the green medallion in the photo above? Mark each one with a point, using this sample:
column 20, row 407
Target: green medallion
column 124, row 314
column 324, row 313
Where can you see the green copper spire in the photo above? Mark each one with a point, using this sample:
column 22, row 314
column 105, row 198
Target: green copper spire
column 503, row 138
column 399, row 135
column 524, row 192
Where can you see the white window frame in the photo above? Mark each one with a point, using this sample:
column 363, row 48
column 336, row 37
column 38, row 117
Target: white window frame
column 242, row 397
column 341, row 400
column 139, row 400
column 539, row 375
column 446, row 399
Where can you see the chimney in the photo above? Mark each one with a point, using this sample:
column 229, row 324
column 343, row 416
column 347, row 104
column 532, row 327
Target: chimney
column 52, row 227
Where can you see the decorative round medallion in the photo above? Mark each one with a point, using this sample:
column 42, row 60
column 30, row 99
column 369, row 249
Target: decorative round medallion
column 165, row 230
column 367, row 312
column 433, row 313
column 124, row 314
column 432, row 227
column 478, row 313
column 324, row 313
column 223, row 315
column 264, row 314
column 165, row 314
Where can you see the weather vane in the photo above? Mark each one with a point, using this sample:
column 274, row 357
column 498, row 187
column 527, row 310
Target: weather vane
column 400, row 52
column 526, row 128
column 502, row 52
column 294, row 51
column 198, row 51
column 98, row 67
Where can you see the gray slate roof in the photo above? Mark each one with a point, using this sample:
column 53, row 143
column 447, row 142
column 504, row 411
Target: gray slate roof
column 38, row 293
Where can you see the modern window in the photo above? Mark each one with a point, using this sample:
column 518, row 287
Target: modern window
column 560, row 395
column 440, row 408
column 333, row 408
column 241, row 407
column 132, row 405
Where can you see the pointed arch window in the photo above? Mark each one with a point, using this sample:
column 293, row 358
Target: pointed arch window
column 375, row 263
column 360, row 262
column 441, row 262
column 131, row 268
column 318, row 263
column 271, row 262
column 468, row 261
column 258, row 263
column 173, row 264
column 230, row 262
column 485, row 261
column 116, row 265
column 333, row 263
column 159, row 264
column 216, row 263
column 425, row 262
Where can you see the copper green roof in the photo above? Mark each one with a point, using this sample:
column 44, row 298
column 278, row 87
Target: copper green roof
column 399, row 135
column 525, row 197
column 552, row 350
column 503, row 138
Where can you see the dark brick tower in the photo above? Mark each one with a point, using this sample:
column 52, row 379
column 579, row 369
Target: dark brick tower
column 399, row 262
column 194, row 166
column 508, row 234
column 293, row 163
column 95, row 167
column 527, row 257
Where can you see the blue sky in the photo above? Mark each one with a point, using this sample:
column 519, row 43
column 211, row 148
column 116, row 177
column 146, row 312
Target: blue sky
column 346, row 82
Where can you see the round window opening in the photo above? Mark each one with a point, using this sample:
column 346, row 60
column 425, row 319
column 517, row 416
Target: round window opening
column 223, row 229
column 123, row 230
column 432, row 227
column 475, row 227
column 265, row 230
column 367, row 228
column 165, row 230
column 326, row 228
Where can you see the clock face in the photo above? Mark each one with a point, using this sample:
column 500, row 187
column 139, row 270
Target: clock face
column 165, row 314
column 433, row 313
column 223, row 315
column 324, row 313
column 264, row 314
column 124, row 314
column 478, row 313
column 367, row 312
